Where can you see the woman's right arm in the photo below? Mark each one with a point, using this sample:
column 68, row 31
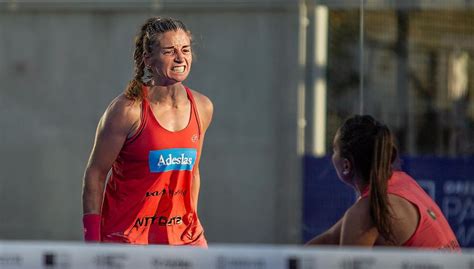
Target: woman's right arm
column 330, row 237
column 354, row 228
column 118, row 122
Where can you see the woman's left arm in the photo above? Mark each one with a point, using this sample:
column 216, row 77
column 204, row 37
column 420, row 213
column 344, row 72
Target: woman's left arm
column 205, row 110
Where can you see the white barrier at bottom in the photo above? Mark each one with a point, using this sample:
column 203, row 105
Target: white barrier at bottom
column 56, row 255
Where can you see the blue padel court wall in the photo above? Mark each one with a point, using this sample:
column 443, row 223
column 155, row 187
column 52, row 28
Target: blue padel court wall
column 450, row 181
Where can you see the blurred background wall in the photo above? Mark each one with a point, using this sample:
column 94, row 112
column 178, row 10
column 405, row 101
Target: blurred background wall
column 62, row 62
column 283, row 74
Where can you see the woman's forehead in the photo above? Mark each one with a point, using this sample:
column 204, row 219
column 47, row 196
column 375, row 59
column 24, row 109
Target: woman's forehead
column 177, row 38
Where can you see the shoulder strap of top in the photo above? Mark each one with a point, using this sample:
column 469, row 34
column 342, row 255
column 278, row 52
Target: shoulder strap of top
column 194, row 106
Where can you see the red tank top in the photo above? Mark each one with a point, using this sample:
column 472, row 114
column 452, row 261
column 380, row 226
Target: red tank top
column 148, row 198
column 433, row 229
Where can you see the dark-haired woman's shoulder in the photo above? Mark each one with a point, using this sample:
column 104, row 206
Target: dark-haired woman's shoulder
column 205, row 108
column 357, row 226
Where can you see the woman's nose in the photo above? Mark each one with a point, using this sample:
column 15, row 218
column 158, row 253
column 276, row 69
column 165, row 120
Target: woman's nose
column 179, row 56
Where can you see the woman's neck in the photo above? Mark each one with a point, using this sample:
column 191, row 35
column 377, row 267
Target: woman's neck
column 360, row 185
column 172, row 94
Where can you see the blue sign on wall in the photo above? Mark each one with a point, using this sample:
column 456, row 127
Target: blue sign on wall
column 450, row 181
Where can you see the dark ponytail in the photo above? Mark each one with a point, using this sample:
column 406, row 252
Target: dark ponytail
column 370, row 145
column 380, row 172
column 145, row 42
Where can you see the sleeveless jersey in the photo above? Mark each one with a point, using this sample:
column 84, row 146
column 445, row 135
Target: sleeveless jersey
column 148, row 198
column 433, row 230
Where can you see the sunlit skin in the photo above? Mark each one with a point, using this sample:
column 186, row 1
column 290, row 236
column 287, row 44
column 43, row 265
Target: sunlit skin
column 170, row 64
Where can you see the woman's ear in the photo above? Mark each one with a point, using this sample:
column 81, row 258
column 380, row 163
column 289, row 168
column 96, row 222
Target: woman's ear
column 147, row 59
column 347, row 170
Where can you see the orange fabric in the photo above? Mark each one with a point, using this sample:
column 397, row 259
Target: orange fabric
column 148, row 198
column 433, row 229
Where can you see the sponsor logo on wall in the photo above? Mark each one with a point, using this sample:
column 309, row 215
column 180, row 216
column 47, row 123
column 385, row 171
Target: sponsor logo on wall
column 457, row 203
column 224, row 262
column 300, row 263
column 110, row 261
column 52, row 260
column 420, row 265
column 171, row 263
column 293, row 263
column 10, row 260
column 357, row 263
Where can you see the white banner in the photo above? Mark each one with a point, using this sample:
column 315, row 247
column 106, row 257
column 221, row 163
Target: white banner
column 60, row 255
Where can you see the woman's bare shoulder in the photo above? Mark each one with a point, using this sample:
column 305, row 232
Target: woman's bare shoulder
column 122, row 112
column 202, row 100
column 361, row 208
column 124, row 106
column 205, row 107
